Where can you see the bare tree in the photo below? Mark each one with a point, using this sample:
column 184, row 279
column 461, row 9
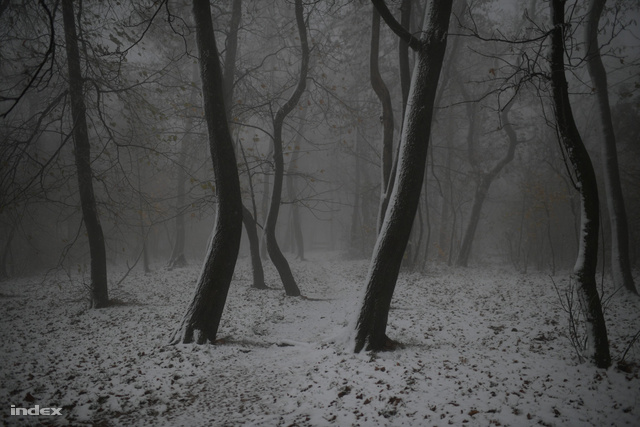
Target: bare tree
column 381, row 90
column 200, row 323
column 585, row 267
column 99, row 295
column 396, row 228
column 620, row 263
column 278, row 259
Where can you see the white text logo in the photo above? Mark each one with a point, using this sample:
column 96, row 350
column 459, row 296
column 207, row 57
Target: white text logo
column 36, row 410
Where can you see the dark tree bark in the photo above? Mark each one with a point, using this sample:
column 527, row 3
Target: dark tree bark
column 620, row 263
column 278, row 259
column 381, row 90
column 99, row 295
column 200, row 323
column 585, row 267
column 394, row 235
column 248, row 219
column 483, row 186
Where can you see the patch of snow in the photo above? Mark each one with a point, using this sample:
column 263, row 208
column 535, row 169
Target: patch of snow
column 480, row 346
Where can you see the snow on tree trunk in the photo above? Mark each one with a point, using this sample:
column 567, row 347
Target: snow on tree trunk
column 99, row 295
column 200, row 323
column 396, row 228
column 620, row 263
column 585, row 267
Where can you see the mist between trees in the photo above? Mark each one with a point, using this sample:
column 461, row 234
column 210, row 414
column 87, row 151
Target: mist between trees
column 467, row 134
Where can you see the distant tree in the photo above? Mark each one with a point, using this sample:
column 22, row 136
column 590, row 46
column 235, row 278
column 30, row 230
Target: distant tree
column 201, row 321
column 391, row 243
column 585, row 267
column 484, row 181
column 99, row 295
column 620, row 263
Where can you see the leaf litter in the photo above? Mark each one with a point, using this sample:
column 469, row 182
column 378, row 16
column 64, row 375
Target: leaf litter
column 478, row 346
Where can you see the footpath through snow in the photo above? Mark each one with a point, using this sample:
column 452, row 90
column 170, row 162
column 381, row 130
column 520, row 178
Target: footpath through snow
column 480, row 346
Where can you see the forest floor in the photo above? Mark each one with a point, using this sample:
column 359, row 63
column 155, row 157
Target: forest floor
column 479, row 346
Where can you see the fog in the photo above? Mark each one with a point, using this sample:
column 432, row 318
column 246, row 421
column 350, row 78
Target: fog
column 284, row 162
column 148, row 139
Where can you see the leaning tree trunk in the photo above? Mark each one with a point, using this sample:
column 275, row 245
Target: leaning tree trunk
column 381, row 90
column 620, row 263
column 585, row 267
column 278, row 259
column 387, row 257
column 200, row 323
column 99, row 295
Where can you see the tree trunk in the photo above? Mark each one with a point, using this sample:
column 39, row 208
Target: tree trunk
column 177, row 258
column 248, row 220
column 200, row 323
column 254, row 248
column 295, row 210
column 394, row 235
column 381, row 90
column 585, row 267
column 620, row 263
column 278, row 259
column 483, row 188
column 99, row 295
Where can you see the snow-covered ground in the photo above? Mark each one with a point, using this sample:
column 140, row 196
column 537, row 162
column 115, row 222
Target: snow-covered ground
column 480, row 346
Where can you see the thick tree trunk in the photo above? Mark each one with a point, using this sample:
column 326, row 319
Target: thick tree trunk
column 387, row 257
column 620, row 263
column 278, row 259
column 200, row 323
column 82, row 150
column 585, row 267
column 381, row 90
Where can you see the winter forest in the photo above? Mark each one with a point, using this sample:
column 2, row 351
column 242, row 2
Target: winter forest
column 320, row 213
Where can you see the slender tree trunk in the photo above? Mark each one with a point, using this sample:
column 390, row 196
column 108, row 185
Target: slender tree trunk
column 483, row 189
column 295, row 210
column 585, row 267
column 620, row 263
column 248, row 220
column 381, row 90
column 278, row 259
column 200, row 323
column 82, row 150
column 178, row 258
column 396, row 229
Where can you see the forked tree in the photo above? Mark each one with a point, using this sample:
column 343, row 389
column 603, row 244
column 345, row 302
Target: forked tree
column 201, row 321
column 370, row 329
